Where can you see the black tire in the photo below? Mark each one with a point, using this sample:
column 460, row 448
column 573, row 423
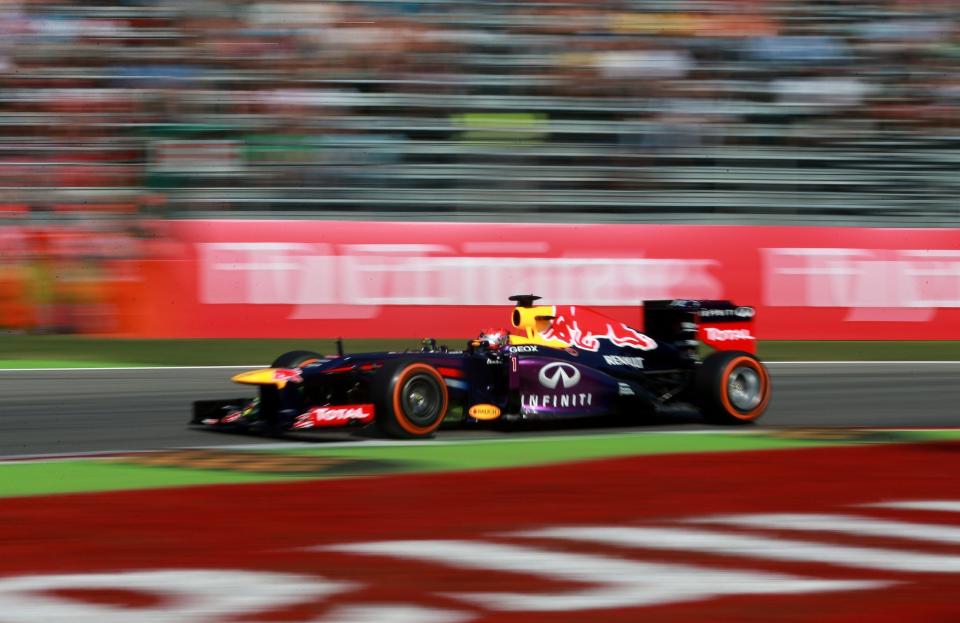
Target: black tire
column 732, row 387
column 412, row 400
column 295, row 359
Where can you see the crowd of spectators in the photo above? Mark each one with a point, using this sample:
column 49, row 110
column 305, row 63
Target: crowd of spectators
column 632, row 106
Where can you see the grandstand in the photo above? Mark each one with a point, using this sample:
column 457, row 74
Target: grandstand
column 645, row 110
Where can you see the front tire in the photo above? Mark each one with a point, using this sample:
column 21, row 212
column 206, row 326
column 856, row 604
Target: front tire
column 732, row 387
column 413, row 401
column 296, row 359
column 270, row 395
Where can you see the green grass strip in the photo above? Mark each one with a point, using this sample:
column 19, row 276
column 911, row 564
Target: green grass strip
column 19, row 350
column 89, row 475
column 523, row 452
column 17, row 364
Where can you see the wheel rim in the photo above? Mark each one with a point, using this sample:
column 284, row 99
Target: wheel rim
column 745, row 388
column 421, row 400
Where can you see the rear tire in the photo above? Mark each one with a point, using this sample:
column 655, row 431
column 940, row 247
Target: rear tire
column 413, row 400
column 732, row 387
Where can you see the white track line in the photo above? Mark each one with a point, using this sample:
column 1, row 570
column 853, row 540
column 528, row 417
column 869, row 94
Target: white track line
column 369, row 443
column 609, row 582
column 844, row 524
column 745, row 545
column 946, row 506
column 373, row 443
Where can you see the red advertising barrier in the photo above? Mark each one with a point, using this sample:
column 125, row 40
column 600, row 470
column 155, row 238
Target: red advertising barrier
column 238, row 278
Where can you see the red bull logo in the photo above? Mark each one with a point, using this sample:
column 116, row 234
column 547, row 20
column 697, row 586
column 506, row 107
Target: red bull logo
column 586, row 328
column 287, row 375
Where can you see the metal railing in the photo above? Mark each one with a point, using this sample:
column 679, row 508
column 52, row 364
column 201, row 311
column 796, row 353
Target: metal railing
column 495, row 110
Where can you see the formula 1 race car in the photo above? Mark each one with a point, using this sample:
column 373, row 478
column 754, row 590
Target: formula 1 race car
column 562, row 362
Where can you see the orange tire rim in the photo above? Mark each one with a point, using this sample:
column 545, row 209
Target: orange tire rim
column 731, row 395
column 401, row 416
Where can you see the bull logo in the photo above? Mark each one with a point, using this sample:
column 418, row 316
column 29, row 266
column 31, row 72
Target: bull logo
column 283, row 375
column 564, row 374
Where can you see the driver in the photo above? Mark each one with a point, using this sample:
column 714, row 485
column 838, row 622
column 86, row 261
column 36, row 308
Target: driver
column 494, row 338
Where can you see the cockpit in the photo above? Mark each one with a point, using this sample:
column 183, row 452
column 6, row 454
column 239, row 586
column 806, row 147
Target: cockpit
column 534, row 321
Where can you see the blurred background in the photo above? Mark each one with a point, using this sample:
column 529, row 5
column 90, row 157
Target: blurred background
column 120, row 114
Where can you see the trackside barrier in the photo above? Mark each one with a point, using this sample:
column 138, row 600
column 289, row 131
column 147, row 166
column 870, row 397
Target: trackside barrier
column 245, row 278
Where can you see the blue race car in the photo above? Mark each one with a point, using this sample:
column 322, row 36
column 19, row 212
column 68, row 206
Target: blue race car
column 560, row 362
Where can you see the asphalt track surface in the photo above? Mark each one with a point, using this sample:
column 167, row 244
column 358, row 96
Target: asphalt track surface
column 80, row 411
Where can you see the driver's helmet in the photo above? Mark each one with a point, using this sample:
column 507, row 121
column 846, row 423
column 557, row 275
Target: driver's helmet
column 495, row 338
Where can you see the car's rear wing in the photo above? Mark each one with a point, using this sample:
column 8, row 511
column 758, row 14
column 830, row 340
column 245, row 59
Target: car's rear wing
column 718, row 324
